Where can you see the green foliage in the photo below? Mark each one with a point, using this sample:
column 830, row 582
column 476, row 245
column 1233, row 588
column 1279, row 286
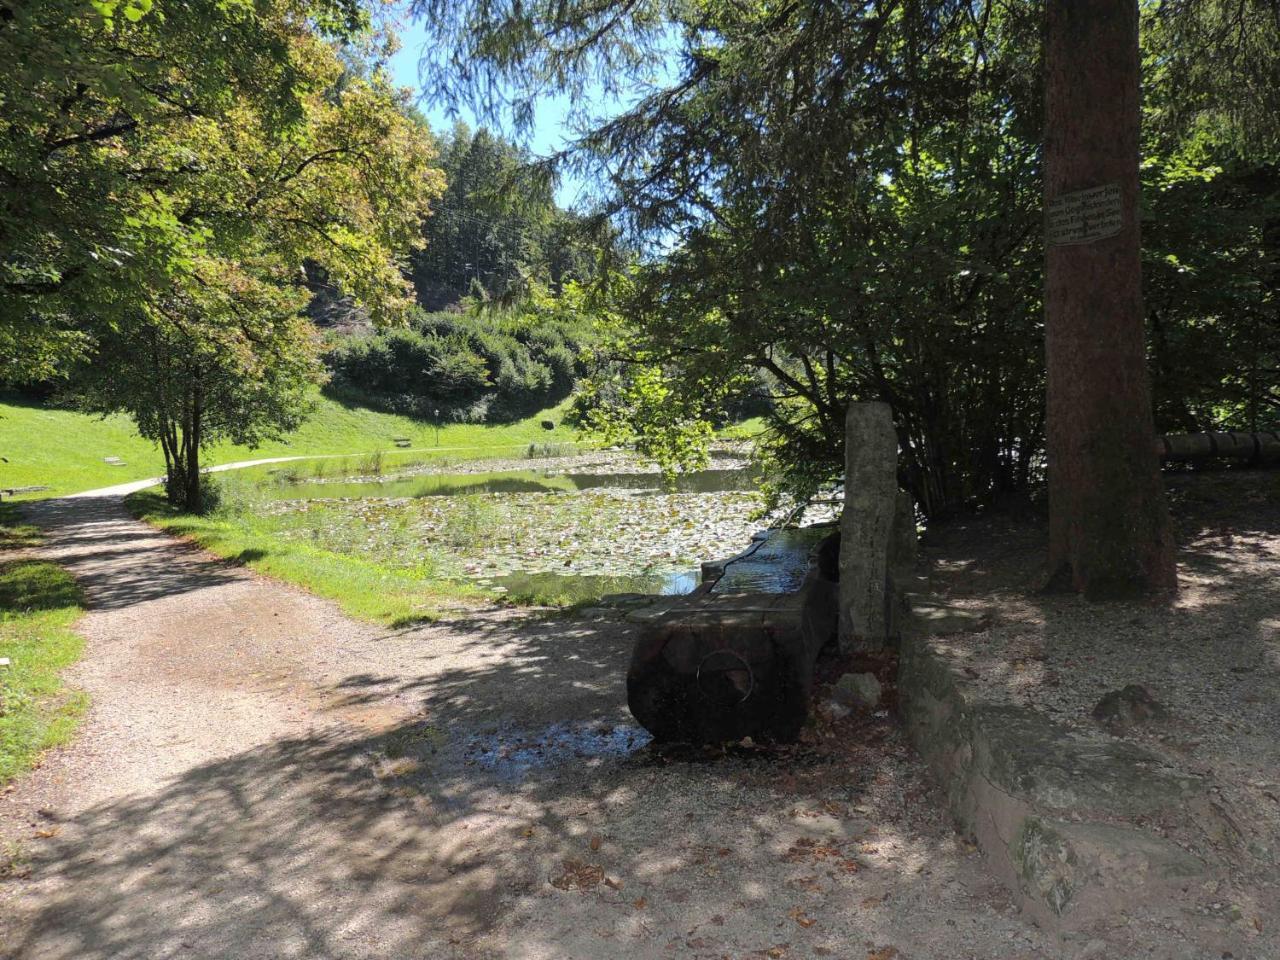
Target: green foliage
column 235, row 147
column 1211, row 271
column 846, row 203
column 497, row 231
column 899, row 263
column 484, row 365
column 106, row 112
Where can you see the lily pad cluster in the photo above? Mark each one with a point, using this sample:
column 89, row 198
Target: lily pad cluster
column 482, row 536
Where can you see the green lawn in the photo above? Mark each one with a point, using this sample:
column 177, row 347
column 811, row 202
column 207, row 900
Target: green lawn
column 394, row 596
column 39, row 602
column 65, row 450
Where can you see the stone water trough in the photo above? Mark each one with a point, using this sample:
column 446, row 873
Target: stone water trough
column 722, row 664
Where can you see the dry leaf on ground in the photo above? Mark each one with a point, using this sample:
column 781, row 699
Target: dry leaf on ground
column 800, row 917
column 578, row 875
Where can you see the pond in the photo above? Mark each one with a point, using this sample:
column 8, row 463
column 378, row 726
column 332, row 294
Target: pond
column 562, row 532
column 517, row 481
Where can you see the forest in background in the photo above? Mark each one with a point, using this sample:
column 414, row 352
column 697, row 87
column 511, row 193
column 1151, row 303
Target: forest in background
column 503, row 325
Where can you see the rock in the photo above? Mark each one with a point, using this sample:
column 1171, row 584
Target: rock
column 833, row 709
column 548, row 425
column 859, row 690
column 871, row 502
column 1132, row 706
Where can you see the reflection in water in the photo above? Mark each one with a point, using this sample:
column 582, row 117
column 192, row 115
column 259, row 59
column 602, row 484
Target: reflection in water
column 518, row 481
column 775, row 564
column 576, row 588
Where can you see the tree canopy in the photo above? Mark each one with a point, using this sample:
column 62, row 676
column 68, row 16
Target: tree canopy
column 168, row 174
column 497, row 228
column 845, row 202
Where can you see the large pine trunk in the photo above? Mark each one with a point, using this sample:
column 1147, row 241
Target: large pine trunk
column 1110, row 532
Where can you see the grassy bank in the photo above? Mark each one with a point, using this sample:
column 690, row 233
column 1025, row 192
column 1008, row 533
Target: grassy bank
column 39, row 602
column 66, row 451
column 404, row 548
column 391, row 595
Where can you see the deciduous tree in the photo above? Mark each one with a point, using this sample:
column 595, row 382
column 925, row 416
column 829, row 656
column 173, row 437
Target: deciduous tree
column 169, row 187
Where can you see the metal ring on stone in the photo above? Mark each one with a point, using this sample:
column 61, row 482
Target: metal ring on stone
column 751, row 677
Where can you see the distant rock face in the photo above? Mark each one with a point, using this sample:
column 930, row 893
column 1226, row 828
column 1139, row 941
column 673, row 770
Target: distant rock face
column 867, row 602
column 1132, row 706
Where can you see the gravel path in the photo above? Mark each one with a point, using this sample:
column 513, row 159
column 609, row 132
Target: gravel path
column 259, row 777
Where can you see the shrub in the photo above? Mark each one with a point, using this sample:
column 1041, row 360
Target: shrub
column 462, row 366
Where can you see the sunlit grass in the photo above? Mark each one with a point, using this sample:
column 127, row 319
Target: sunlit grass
column 39, row 602
column 66, row 451
column 386, row 593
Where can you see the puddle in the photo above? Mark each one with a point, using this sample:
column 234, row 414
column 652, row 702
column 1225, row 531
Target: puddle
column 777, row 563
column 516, row 753
column 516, row 481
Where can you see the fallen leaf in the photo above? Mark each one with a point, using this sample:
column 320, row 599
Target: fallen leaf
column 884, row 953
column 800, row 917
column 578, row 876
column 46, row 833
column 641, row 903
column 595, row 843
column 612, row 884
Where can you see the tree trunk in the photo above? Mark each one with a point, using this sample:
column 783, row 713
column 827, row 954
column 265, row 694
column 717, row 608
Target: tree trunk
column 174, row 465
column 191, row 441
column 1109, row 527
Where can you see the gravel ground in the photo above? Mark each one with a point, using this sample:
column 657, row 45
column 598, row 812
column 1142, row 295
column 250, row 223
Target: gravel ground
column 1211, row 658
column 260, row 777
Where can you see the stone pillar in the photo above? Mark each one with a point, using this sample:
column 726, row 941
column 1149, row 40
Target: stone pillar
column 867, row 527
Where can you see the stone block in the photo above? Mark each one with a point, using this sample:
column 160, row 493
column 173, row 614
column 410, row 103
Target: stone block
column 867, row 524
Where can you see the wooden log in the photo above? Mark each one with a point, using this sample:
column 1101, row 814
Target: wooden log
column 1254, row 448
column 721, row 667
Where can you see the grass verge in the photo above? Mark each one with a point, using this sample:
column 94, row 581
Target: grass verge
column 362, row 588
column 39, row 602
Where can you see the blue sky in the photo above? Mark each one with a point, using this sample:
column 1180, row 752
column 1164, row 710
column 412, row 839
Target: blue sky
column 550, row 130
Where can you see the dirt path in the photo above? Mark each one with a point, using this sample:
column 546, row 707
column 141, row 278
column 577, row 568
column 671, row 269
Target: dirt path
column 260, row 777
